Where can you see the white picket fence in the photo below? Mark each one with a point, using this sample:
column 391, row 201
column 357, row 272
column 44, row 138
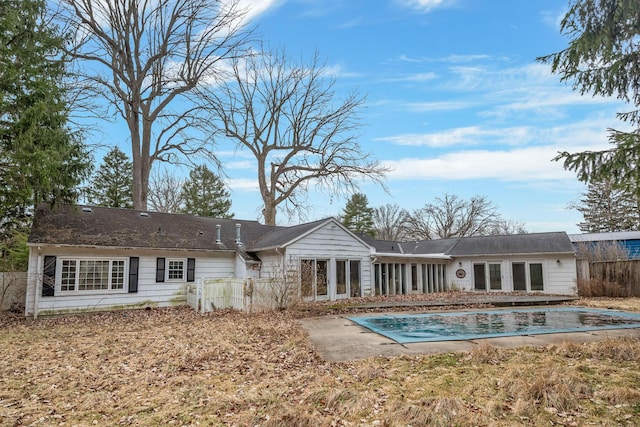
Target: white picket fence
column 247, row 295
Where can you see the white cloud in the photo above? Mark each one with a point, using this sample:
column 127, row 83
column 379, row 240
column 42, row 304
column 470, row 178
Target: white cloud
column 243, row 184
column 418, row 77
column 472, row 135
column 423, row 5
column 529, row 161
column 255, row 8
column 338, row 71
column 522, row 164
column 419, row 107
column 589, row 134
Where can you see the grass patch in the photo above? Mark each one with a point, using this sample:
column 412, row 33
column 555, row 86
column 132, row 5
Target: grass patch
column 176, row 367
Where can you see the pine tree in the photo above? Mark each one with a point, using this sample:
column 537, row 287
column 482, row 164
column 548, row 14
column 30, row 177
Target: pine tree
column 358, row 216
column 41, row 159
column 607, row 208
column 112, row 184
column 603, row 59
column 204, row 194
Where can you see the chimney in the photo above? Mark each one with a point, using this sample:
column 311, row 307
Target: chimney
column 238, row 240
column 218, row 240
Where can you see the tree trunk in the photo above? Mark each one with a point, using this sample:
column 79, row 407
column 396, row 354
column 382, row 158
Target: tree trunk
column 269, row 212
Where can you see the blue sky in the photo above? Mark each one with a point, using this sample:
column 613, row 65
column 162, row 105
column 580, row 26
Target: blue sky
column 456, row 102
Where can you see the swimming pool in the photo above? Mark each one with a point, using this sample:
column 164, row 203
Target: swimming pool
column 457, row 326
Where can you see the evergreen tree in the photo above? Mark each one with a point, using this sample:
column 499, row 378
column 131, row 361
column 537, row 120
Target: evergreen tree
column 606, row 208
column 204, row 194
column 112, row 184
column 358, row 216
column 41, row 160
column 603, row 58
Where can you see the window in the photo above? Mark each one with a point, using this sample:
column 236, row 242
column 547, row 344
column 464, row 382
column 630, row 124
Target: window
column 341, row 277
column 78, row 275
column 94, row 275
column 176, row 269
column 535, row 270
column 307, row 277
column 354, row 278
column 313, row 278
column 535, row 279
column 495, row 277
column 348, row 278
column 117, row 274
column 68, row 279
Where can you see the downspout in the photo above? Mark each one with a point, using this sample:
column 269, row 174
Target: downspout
column 38, row 287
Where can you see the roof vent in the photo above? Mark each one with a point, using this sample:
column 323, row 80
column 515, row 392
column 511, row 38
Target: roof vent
column 86, row 209
column 144, row 214
column 218, row 239
column 238, row 239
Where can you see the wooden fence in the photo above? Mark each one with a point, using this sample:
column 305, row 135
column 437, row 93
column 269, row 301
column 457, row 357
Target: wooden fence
column 609, row 278
column 13, row 289
column 247, row 295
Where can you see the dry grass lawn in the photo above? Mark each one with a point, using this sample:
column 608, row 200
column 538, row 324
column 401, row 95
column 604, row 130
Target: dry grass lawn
column 176, row 367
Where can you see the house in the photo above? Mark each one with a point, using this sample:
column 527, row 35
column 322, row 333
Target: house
column 94, row 258
column 628, row 241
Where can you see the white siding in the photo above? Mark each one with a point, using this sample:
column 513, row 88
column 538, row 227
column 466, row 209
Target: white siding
column 330, row 242
column 559, row 277
column 149, row 294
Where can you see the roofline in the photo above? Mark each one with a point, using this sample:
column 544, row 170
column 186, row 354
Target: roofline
column 413, row 256
column 516, row 254
column 308, row 232
column 51, row 245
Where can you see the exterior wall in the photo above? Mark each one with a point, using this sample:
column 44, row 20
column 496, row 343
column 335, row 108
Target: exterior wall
column 558, row 277
column 329, row 243
column 150, row 293
column 332, row 243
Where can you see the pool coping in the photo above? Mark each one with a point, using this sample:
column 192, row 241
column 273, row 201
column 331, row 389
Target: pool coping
column 338, row 339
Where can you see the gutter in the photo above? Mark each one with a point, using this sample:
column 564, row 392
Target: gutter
column 231, row 251
column 414, row 256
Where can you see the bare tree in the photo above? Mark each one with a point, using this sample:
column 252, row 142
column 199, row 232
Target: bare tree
column 508, row 226
column 451, row 216
column 390, row 222
column 145, row 58
column 286, row 114
column 165, row 192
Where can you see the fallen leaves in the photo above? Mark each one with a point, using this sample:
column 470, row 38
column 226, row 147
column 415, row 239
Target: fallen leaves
column 177, row 367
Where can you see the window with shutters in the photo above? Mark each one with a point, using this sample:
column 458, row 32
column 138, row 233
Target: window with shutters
column 88, row 275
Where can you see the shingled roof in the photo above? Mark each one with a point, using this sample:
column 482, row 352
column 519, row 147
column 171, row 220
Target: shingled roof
column 514, row 244
column 110, row 227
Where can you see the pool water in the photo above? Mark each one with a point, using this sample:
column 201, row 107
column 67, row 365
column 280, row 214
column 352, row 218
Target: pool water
column 455, row 326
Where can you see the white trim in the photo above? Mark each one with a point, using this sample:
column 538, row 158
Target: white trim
column 414, row 256
column 311, row 231
column 132, row 248
column 184, row 270
column 77, row 291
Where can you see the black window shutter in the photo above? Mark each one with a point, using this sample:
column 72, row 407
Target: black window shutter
column 191, row 269
column 133, row 274
column 49, row 276
column 160, row 270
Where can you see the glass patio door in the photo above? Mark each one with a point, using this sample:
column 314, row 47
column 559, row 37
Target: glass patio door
column 519, row 276
column 479, row 277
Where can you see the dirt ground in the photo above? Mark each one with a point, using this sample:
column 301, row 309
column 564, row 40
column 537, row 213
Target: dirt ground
column 177, row 367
